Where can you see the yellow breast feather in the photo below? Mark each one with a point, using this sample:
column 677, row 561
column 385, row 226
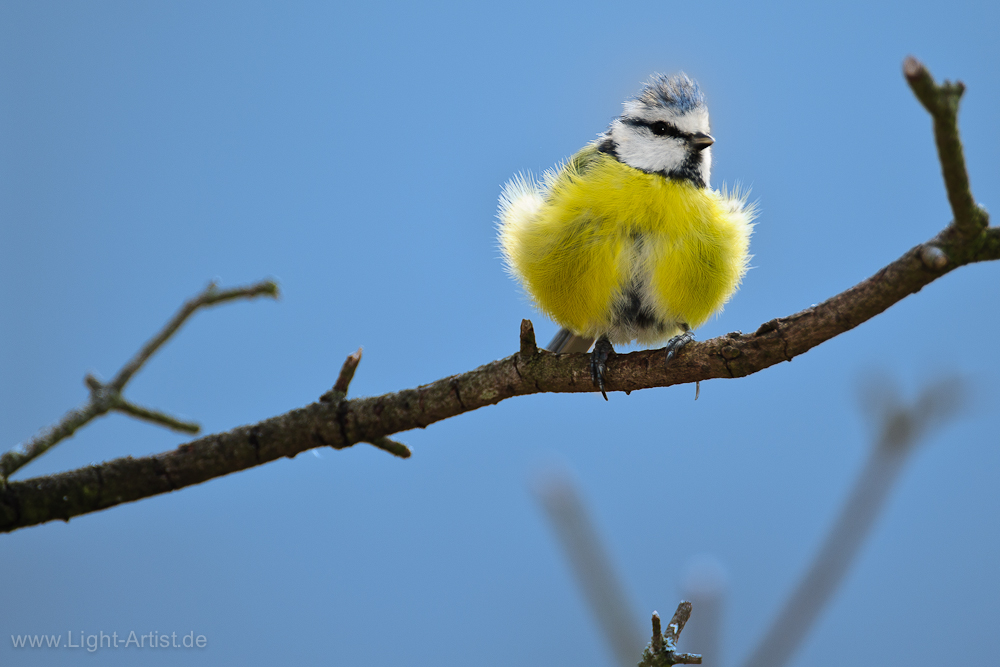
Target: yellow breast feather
column 597, row 239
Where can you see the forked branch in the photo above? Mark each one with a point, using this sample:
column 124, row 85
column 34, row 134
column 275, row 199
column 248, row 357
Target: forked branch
column 662, row 650
column 107, row 397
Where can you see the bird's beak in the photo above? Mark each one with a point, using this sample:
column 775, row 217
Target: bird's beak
column 701, row 141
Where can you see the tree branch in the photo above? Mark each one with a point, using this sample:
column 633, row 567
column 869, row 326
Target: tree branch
column 339, row 392
column 342, row 423
column 662, row 650
column 942, row 104
column 105, row 397
column 155, row 416
column 211, row 296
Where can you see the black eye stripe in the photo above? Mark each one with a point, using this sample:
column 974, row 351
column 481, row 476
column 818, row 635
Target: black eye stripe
column 659, row 128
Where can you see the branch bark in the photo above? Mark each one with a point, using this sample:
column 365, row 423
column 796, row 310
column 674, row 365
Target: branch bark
column 343, row 422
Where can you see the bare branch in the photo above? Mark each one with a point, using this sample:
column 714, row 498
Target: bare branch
column 340, row 387
column 211, row 296
column 676, row 625
column 345, row 423
column 662, row 649
column 105, row 397
column 339, row 393
column 43, row 441
column 941, row 101
column 591, row 565
column 656, row 643
column 528, row 345
column 155, row 417
column 901, row 430
column 340, row 424
column 391, row 446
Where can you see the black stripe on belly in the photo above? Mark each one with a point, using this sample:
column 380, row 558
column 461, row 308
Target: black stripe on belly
column 632, row 313
column 633, row 316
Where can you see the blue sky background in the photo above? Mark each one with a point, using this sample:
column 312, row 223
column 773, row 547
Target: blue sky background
column 355, row 153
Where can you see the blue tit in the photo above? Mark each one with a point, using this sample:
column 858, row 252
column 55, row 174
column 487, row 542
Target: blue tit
column 626, row 241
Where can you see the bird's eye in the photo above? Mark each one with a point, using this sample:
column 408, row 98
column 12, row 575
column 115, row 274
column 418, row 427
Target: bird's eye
column 659, row 128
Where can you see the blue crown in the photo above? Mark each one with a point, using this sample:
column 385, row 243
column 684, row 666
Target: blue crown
column 678, row 92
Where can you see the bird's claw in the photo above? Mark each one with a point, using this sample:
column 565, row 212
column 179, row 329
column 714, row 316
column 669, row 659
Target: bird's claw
column 676, row 343
column 599, row 363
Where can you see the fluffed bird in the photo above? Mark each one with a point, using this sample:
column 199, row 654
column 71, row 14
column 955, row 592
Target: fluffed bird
column 626, row 241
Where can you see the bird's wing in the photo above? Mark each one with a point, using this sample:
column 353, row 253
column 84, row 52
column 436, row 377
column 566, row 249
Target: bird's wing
column 566, row 342
column 583, row 158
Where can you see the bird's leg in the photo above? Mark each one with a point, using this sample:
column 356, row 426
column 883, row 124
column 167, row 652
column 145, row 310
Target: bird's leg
column 678, row 341
column 599, row 362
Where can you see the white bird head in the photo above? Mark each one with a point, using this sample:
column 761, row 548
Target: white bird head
column 664, row 130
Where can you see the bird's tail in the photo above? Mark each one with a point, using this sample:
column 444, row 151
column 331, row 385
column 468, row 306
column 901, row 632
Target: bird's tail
column 566, row 341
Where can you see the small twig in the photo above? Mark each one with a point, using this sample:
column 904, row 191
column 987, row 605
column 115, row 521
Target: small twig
column 393, row 447
column 941, row 101
column 657, row 642
column 347, row 372
column 684, row 659
column 211, row 296
column 528, row 345
column 662, row 648
column 38, row 445
column 339, row 390
column 156, row 417
column 107, row 397
column 676, row 625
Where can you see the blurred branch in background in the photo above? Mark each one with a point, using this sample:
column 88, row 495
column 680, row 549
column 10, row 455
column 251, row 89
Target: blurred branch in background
column 604, row 593
column 591, row 565
column 107, row 396
column 901, row 428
